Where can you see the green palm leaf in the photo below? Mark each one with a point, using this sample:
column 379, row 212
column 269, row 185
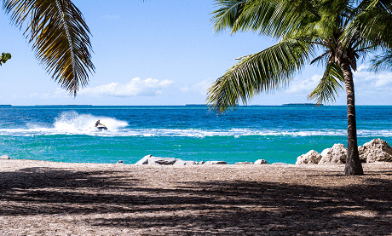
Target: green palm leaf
column 270, row 17
column 4, row 58
column 60, row 38
column 264, row 71
column 328, row 87
column 227, row 14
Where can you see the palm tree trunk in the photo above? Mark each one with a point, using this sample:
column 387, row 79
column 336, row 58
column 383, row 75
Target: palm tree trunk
column 353, row 164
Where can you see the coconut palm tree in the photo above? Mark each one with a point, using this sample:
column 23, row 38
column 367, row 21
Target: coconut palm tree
column 327, row 32
column 59, row 37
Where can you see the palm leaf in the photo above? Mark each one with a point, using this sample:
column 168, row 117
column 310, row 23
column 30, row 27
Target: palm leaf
column 373, row 21
column 383, row 61
column 227, row 14
column 4, row 58
column 60, row 38
column 327, row 90
column 264, row 71
column 270, row 17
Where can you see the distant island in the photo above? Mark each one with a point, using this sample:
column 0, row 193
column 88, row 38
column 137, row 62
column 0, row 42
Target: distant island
column 63, row 105
column 196, row 105
column 302, row 104
column 5, row 105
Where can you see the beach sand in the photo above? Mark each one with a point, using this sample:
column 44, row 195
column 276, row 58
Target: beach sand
column 47, row 198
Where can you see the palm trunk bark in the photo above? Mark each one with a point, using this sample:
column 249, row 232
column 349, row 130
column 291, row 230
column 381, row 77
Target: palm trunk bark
column 353, row 163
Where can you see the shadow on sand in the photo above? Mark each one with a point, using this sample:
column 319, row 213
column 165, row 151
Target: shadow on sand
column 212, row 207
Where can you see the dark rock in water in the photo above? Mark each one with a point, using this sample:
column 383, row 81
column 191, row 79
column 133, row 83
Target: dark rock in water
column 261, row 162
column 120, row 162
column 5, row 157
column 216, row 163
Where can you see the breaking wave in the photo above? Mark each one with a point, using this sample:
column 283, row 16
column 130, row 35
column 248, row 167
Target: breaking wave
column 72, row 123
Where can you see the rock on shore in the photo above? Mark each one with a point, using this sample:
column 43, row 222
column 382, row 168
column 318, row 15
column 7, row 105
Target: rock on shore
column 261, row 162
column 335, row 155
column 151, row 160
column 376, row 150
column 5, row 157
column 311, row 157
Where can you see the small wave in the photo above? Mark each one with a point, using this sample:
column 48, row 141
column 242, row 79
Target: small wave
column 83, row 125
column 70, row 123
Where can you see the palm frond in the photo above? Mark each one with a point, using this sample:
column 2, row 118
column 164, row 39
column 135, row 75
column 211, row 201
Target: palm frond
column 271, row 17
column 327, row 90
column 372, row 23
column 4, row 58
column 382, row 61
column 60, row 38
column 227, row 14
column 264, row 71
column 320, row 58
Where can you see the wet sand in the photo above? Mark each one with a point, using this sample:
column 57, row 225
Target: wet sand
column 47, row 198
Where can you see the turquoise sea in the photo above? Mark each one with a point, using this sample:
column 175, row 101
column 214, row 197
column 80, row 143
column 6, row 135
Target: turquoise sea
column 273, row 133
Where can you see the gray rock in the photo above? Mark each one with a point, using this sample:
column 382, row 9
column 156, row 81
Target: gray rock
column 244, row 163
column 201, row 162
column 376, row 150
column 185, row 163
column 311, row 157
column 335, row 155
column 5, row 157
column 261, row 162
column 151, row 160
column 216, row 163
column 120, row 162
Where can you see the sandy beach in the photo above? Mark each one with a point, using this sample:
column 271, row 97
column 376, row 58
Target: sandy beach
column 47, row 198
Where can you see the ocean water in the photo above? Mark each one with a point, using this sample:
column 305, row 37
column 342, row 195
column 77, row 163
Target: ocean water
column 273, row 133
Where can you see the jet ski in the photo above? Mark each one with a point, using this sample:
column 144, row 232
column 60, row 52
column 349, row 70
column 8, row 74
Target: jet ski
column 101, row 127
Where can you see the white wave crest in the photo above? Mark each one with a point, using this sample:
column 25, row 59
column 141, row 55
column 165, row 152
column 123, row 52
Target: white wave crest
column 72, row 123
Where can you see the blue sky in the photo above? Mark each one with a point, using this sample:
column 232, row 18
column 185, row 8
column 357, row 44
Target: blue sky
column 158, row 53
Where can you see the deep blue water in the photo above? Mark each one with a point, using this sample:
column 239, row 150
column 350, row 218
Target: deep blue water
column 276, row 133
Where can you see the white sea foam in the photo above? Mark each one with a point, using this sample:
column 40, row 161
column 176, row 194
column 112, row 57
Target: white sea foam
column 83, row 129
column 72, row 123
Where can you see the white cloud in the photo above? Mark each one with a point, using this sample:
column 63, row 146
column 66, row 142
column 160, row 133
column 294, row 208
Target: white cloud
column 303, row 85
column 199, row 88
column 184, row 89
column 136, row 87
column 203, row 86
column 366, row 79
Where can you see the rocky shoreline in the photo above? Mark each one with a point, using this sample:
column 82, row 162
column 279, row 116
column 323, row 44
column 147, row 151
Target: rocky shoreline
column 151, row 160
column 376, row 150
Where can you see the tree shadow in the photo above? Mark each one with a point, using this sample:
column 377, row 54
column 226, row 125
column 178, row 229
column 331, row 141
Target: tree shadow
column 208, row 207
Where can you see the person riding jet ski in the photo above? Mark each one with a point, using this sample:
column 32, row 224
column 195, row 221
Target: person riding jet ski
column 100, row 126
